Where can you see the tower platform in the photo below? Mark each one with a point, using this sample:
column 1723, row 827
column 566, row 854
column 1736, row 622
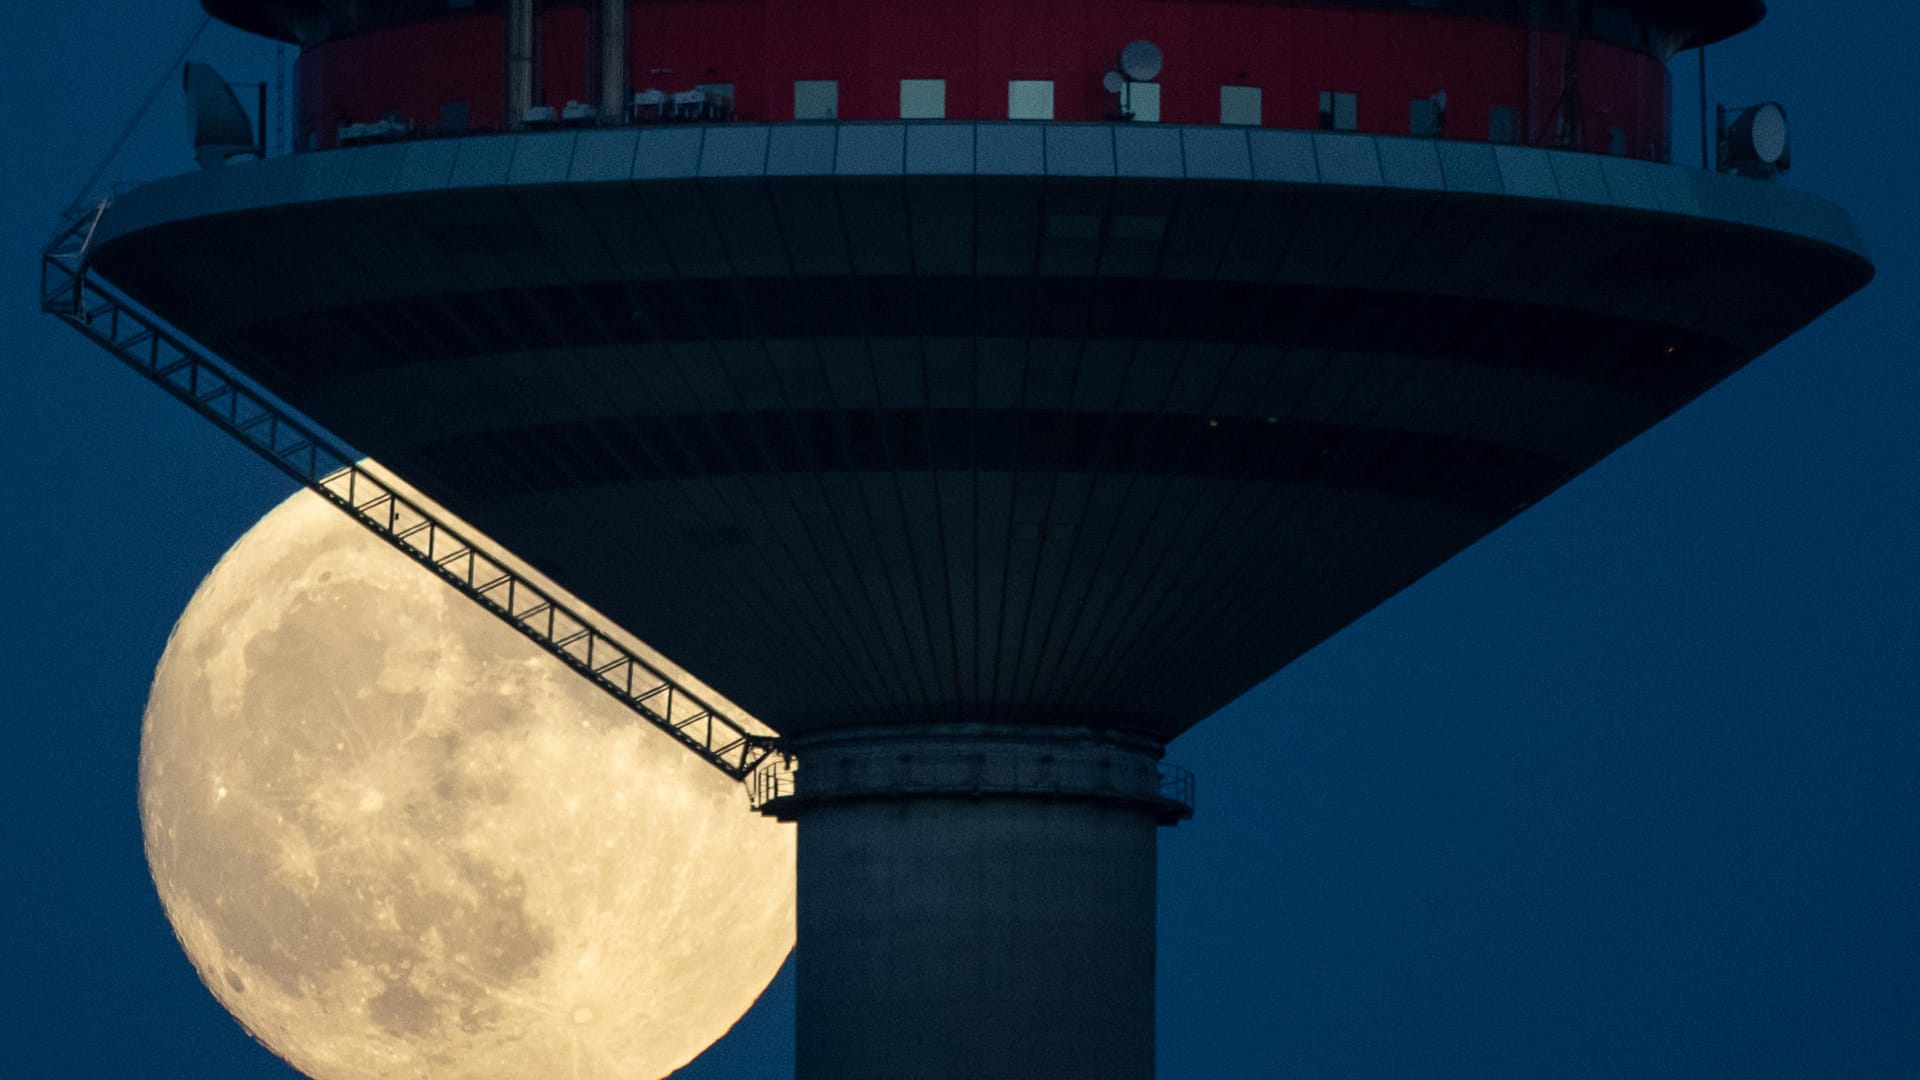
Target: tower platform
column 1093, row 425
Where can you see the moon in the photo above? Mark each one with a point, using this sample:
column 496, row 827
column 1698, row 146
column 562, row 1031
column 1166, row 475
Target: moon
column 396, row 840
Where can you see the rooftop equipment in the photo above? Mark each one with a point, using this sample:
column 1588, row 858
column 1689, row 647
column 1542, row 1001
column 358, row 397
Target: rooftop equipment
column 221, row 129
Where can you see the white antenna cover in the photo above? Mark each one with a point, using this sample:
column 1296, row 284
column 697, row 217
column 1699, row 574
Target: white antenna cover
column 219, row 126
column 1758, row 143
column 1766, row 131
column 1141, row 61
column 1114, row 82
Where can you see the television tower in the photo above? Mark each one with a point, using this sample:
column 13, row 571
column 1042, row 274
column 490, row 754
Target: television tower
column 983, row 394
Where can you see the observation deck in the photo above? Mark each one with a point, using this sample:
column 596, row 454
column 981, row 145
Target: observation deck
column 1589, row 75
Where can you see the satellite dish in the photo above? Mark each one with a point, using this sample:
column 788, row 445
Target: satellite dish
column 1141, row 61
column 219, row 126
column 1763, row 131
column 1114, row 82
column 1758, row 144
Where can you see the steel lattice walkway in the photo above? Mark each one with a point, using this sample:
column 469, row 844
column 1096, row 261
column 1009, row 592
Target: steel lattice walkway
column 210, row 388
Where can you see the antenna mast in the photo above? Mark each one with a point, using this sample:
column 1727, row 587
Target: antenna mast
column 522, row 44
column 612, row 61
column 280, row 107
column 1573, row 120
column 1706, row 159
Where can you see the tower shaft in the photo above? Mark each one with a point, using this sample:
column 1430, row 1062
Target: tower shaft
column 975, row 900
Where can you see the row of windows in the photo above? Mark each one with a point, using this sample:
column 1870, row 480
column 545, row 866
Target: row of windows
column 1032, row 99
column 926, row 99
column 1027, row 99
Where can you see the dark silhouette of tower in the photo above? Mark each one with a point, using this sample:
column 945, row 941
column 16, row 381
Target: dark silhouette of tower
column 982, row 394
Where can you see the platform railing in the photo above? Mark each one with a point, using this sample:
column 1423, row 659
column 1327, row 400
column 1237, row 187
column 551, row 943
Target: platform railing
column 774, row 786
column 211, row 388
column 774, row 779
column 1177, row 786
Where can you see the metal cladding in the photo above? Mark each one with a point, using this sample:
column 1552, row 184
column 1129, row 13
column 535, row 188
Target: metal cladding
column 1090, row 425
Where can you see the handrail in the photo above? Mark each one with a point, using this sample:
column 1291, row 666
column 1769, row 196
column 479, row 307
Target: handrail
column 212, row 389
column 775, row 784
column 774, row 779
column 1177, row 786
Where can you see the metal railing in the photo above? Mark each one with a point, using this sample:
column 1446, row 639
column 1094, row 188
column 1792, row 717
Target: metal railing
column 776, row 780
column 213, row 390
column 1177, row 786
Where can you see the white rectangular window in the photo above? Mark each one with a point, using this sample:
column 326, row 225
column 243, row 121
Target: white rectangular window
column 1240, row 105
column 816, row 99
column 1339, row 111
column 923, row 99
column 1143, row 101
column 1030, row 99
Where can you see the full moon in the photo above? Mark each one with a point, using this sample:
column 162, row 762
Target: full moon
column 397, row 840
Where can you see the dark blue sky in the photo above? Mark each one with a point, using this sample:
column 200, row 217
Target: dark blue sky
column 1631, row 788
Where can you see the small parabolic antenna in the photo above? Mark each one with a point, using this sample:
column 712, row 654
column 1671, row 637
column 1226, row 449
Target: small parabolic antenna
column 1141, row 61
column 1114, row 82
column 221, row 128
column 1757, row 142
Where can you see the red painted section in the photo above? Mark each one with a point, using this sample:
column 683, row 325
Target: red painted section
column 1388, row 58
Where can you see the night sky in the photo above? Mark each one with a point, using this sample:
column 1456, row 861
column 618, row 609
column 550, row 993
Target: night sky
column 1630, row 789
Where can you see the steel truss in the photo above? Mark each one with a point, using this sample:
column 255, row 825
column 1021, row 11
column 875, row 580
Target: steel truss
column 209, row 387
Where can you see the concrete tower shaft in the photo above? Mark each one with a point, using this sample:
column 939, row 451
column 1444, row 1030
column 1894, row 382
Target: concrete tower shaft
column 975, row 886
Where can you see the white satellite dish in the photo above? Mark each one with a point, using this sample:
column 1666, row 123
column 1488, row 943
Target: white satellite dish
column 1114, row 82
column 1765, row 131
column 1141, row 61
column 1758, row 144
column 221, row 128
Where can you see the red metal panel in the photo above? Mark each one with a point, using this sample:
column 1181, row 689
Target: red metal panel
column 1389, row 58
column 565, row 56
column 412, row 70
